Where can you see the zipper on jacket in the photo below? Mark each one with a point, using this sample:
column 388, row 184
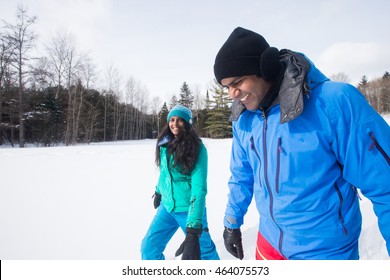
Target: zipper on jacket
column 193, row 204
column 353, row 187
column 271, row 204
column 380, row 149
column 278, row 152
column 341, row 218
column 170, row 175
column 253, row 147
column 356, row 192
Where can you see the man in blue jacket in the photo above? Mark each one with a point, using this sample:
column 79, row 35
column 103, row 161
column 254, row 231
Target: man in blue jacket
column 302, row 145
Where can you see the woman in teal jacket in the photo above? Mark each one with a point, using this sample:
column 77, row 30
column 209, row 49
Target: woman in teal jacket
column 180, row 196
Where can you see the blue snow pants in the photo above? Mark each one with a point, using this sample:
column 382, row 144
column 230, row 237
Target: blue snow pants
column 164, row 226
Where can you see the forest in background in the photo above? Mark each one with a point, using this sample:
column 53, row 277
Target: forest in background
column 60, row 98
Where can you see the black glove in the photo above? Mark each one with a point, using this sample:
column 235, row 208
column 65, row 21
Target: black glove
column 190, row 248
column 233, row 242
column 156, row 200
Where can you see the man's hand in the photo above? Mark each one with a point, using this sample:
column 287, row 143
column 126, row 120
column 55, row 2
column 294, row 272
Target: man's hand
column 233, row 242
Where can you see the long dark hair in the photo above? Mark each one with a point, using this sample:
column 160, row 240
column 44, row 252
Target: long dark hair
column 184, row 147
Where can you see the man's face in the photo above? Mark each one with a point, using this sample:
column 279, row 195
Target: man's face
column 249, row 90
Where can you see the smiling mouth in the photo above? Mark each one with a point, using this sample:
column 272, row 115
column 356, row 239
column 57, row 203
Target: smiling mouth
column 245, row 97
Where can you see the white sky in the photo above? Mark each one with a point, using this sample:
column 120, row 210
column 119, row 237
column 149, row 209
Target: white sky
column 164, row 43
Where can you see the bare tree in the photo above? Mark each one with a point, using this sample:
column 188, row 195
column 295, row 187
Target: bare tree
column 85, row 75
column 112, row 86
column 90, row 123
column 385, row 86
column 41, row 77
column 143, row 107
column 199, row 101
column 155, row 106
column 131, row 93
column 59, row 49
column 340, row 77
column 88, row 74
column 23, row 40
column 198, row 98
column 378, row 94
column 173, row 102
column 138, row 97
column 72, row 68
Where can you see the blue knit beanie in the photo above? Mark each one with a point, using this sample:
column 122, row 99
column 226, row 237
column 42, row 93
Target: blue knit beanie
column 182, row 112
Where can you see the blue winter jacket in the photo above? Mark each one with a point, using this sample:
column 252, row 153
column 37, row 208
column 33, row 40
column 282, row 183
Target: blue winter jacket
column 304, row 172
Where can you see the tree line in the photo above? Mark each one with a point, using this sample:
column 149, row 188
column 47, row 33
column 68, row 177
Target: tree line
column 61, row 98
column 376, row 92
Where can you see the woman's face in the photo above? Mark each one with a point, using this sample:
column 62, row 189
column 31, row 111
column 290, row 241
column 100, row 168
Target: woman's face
column 176, row 125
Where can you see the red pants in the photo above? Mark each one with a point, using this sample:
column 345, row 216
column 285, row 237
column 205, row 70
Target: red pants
column 264, row 250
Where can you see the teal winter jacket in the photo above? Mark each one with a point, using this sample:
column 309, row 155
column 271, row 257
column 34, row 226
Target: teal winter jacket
column 184, row 192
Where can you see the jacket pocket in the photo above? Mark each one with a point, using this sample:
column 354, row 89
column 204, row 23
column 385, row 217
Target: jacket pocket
column 253, row 148
column 339, row 212
column 257, row 155
column 375, row 144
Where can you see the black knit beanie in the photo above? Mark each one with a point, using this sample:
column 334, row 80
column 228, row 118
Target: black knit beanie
column 241, row 55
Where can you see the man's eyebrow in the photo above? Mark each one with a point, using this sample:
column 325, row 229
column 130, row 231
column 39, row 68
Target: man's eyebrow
column 232, row 82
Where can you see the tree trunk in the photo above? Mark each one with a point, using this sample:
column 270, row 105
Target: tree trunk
column 1, row 114
column 68, row 119
column 21, row 111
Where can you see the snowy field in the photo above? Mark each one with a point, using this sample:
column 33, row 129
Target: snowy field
column 93, row 202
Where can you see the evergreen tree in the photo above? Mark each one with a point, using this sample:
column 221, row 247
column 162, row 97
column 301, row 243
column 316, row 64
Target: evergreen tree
column 208, row 101
column 218, row 125
column 200, row 123
column 363, row 85
column 186, row 96
column 202, row 116
column 163, row 114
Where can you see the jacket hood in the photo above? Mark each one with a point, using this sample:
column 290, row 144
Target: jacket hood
column 164, row 141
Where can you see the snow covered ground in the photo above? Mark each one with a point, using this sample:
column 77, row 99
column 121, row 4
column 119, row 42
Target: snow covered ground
column 93, row 202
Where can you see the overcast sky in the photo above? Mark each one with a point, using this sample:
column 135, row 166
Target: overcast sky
column 164, row 43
